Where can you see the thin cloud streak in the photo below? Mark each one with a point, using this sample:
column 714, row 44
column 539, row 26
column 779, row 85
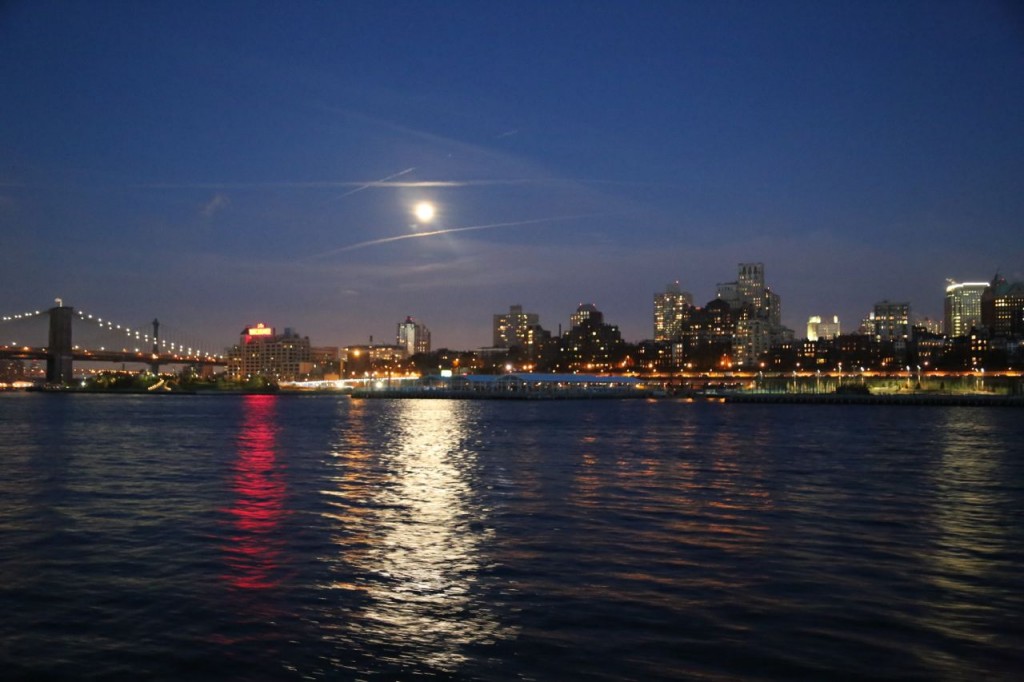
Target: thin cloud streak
column 450, row 230
column 359, row 185
column 371, row 184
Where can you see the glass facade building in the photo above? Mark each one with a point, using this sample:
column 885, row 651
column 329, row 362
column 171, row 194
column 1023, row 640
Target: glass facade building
column 963, row 307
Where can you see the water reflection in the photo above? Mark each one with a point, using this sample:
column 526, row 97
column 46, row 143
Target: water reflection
column 254, row 548
column 411, row 537
column 971, row 516
column 705, row 491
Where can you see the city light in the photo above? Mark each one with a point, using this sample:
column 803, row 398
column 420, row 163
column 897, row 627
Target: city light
column 737, row 335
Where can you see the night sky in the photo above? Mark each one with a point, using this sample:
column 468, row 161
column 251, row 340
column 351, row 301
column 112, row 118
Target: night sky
column 216, row 164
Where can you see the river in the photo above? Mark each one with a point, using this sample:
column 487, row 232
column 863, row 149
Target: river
column 280, row 537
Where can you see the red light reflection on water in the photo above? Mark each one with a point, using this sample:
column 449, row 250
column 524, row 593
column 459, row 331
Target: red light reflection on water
column 254, row 548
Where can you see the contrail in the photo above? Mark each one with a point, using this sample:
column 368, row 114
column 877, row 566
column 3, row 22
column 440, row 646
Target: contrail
column 370, row 184
column 357, row 185
column 450, row 230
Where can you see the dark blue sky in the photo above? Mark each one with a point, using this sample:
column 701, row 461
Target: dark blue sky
column 208, row 163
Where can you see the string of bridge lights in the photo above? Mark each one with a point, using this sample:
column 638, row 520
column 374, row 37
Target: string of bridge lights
column 141, row 336
column 20, row 316
column 109, row 325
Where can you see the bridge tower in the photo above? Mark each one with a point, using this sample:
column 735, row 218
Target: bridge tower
column 154, row 366
column 58, row 356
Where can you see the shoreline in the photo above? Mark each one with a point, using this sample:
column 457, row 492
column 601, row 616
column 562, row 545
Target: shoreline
column 949, row 400
column 921, row 399
column 464, row 394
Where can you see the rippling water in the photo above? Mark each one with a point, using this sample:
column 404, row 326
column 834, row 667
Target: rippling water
column 284, row 537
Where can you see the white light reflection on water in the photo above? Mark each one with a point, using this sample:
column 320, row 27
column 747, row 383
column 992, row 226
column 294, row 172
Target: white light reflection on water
column 972, row 508
column 972, row 511
column 410, row 536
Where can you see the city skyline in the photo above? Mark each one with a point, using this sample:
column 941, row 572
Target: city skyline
column 656, row 320
column 220, row 166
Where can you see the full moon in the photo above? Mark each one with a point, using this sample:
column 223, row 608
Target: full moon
column 424, row 211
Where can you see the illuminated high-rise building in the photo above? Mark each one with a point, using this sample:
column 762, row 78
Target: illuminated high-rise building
column 963, row 307
column 520, row 330
column 822, row 329
column 751, row 288
column 413, row 336
column 264, row 353
column 671, row 309
column 758, row 313
column 891, row 321
column 1002, row 307
column 585, row 312
column 512, row 329
column 591, row 345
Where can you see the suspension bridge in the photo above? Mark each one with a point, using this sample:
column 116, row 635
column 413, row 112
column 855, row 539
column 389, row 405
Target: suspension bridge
column 63, row 335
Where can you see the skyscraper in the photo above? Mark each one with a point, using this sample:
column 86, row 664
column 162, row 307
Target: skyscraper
column 413, row 336
column 750, row 285
column 759, row 315
column 963, row 307
column 591, row 344
column 671, row 308
column 586, row 311
column 514, row 328
column 891, row 321
column 1002, row 307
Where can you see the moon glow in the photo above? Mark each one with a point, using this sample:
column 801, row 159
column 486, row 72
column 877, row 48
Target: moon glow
column 424, row 211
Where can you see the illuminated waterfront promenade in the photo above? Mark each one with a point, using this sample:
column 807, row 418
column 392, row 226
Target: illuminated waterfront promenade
column 917, row 382
column 919, row 388
column 946, row 399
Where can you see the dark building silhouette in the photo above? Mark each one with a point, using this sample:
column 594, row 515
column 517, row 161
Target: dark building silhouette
column 590, row 345
column 1002, row 308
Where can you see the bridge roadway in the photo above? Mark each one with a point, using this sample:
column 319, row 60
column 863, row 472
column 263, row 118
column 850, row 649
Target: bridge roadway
column 30, row 353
